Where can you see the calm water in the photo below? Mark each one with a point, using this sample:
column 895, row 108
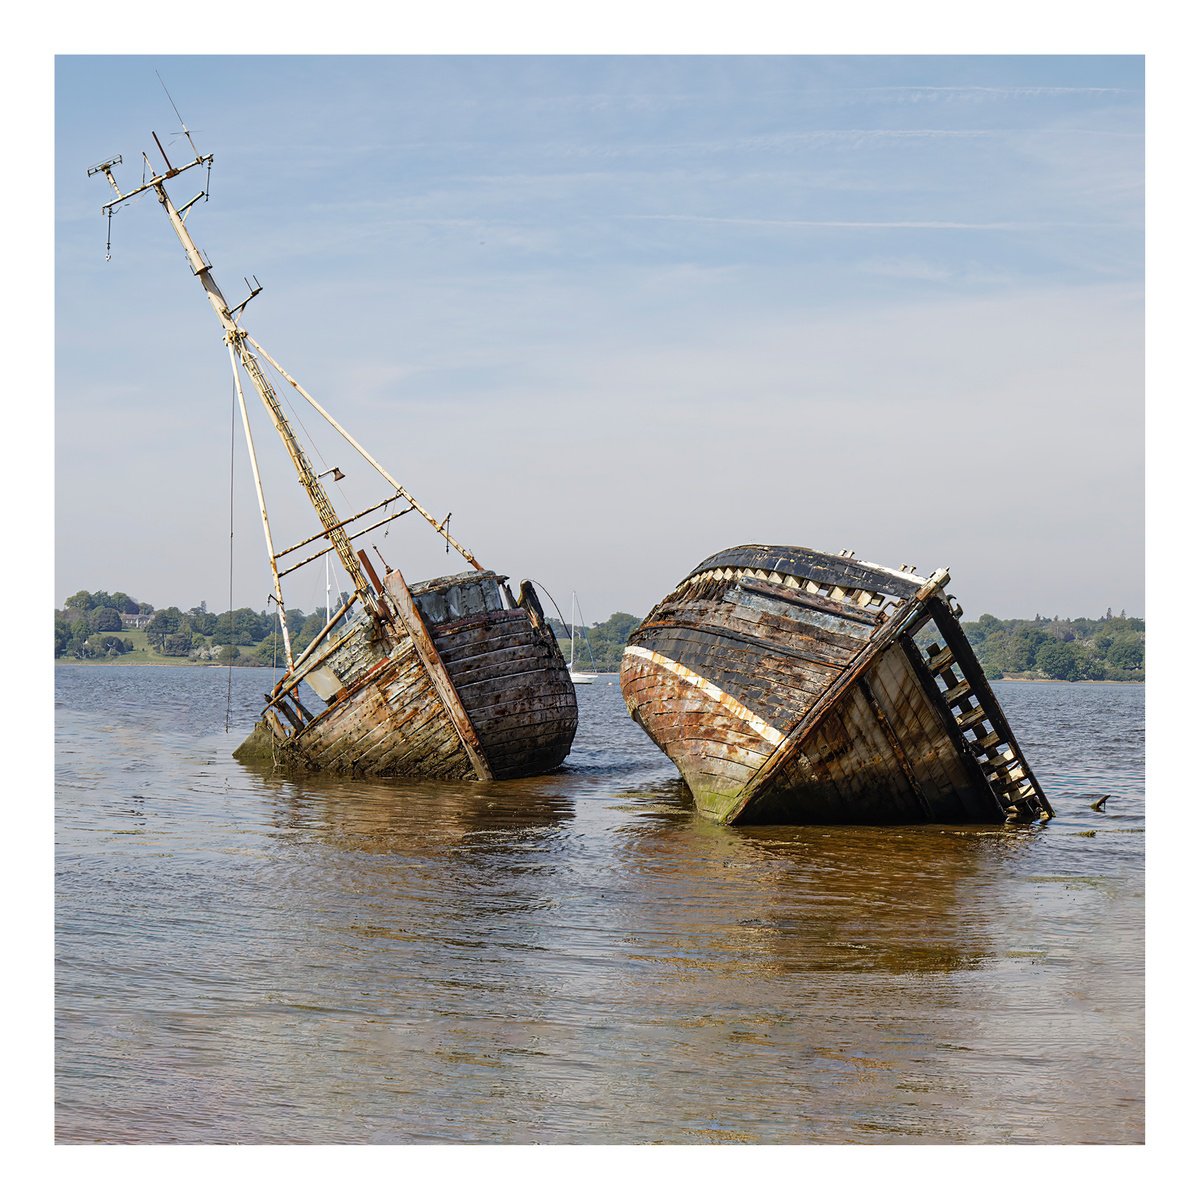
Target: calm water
column 579, row 959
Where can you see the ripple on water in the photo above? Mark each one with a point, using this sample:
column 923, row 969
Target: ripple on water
column 578, row 958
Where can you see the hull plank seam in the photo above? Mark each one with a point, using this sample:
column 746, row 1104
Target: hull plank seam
column 767, row 732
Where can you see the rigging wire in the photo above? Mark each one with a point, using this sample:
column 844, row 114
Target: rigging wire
column 313, row 447
column 546, row 591
column 284, row 395
column 169, row 97
column 583, row 625
column 232, row 456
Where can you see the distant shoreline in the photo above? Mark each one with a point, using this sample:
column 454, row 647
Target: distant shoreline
column 1040, row 679
column 211, row 666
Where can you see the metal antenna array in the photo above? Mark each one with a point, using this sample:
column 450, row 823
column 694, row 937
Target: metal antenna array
column 107, row 167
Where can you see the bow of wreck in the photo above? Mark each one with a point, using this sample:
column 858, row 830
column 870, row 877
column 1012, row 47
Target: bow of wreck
column 791, row 686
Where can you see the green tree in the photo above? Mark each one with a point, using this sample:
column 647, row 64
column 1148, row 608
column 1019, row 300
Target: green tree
column 606, row 641
column 106, row 645
column 1058, row 660
column 243, row 626
column 201, row 621
column 104, row 620
column 268, row 652
column 177, row 645
column 163, row 624
column 1018, row 652
column 1128, row 651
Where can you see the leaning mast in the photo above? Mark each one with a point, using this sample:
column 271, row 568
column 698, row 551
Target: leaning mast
column 236, row 338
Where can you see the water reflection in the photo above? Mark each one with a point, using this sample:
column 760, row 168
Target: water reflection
column 579, row 958
column 392, row 816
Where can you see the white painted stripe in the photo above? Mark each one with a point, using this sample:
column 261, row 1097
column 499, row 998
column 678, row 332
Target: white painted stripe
column 766, row 732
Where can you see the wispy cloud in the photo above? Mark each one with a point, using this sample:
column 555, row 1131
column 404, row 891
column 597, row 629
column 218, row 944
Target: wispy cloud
column 788, row 222
column 944, row 91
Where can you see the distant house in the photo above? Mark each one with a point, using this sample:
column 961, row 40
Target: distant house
column 136, row 620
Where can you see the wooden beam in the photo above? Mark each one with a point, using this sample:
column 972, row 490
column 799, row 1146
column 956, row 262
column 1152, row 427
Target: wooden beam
column 410, row 618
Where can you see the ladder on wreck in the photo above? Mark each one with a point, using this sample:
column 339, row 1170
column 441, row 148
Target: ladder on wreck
column 964, row 692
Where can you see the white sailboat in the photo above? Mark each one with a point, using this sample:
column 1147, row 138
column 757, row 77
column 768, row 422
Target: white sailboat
column 579, row 676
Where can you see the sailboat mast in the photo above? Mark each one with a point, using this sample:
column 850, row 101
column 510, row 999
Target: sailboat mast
column 236, row 337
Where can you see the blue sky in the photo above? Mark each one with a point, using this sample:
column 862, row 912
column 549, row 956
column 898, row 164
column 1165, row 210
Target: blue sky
column 619, row 313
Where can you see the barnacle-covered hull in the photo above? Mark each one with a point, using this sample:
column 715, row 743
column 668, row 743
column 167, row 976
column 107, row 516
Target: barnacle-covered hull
column 790, row 686
column 462, row 682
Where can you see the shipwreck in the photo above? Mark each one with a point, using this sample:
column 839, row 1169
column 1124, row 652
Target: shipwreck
column 794, row 687
column 454, row 678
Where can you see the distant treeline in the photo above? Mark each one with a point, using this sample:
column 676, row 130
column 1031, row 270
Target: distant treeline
column 1049, row 648
column 93, row 625
column 100, row 625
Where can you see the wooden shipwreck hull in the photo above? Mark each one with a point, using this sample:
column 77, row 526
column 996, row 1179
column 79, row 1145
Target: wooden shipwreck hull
column 455, row 680
column 790, row 686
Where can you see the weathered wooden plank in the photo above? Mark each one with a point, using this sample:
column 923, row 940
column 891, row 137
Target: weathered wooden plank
column 429, row 758
column 757, row 680
column 971, row 718
column 504, row 668
column 934, row 755
column 740, row 761
column 723, row 643
column 799, row 598
column 786, row 636
column 484, row 692
column 941, row 660
column 467, row 637
column 523, row 705
column 414, row 625
column 513, row 641
column 959, row 694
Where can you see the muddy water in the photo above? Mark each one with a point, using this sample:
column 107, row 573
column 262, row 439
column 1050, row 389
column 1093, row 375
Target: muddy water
column 579, row 959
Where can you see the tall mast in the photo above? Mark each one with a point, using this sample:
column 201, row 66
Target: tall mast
column 236, row 337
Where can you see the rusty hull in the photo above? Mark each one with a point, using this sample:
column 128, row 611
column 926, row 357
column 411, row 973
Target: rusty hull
column 791, row 686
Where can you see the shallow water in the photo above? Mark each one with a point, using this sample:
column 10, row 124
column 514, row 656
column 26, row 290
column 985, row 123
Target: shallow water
column 579, row 958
